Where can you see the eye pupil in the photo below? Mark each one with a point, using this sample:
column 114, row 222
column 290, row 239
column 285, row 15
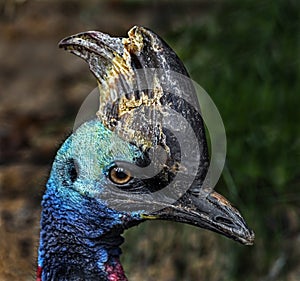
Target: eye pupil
column 119, row 175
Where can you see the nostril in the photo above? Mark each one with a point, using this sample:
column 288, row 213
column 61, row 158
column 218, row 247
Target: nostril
column 223, row 220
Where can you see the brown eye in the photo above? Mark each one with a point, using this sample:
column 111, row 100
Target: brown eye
column 119, row 175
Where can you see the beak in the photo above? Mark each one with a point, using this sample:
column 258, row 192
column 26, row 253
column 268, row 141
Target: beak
column 211, row 211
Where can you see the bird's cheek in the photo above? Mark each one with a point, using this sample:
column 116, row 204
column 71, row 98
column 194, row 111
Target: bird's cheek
column 88, row 188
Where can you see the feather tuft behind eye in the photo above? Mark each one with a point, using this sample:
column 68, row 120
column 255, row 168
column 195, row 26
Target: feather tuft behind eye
column 72, row 168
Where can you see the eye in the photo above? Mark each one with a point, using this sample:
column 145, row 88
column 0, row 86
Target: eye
column 119, row 175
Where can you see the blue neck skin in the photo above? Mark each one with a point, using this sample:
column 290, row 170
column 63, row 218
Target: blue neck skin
column 78, row 239
column 80, row 236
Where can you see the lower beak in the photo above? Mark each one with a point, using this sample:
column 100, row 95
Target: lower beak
column 211, row 211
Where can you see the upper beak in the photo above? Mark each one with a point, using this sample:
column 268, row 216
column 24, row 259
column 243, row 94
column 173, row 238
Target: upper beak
column 211, row 211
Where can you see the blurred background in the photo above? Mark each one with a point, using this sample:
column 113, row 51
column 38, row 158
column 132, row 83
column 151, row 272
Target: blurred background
column 246, row 54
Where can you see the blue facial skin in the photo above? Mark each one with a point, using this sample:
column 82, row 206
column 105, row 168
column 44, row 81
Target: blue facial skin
column 79, row 233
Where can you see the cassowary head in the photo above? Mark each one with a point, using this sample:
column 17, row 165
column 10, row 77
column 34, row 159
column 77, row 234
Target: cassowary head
column 143, row 156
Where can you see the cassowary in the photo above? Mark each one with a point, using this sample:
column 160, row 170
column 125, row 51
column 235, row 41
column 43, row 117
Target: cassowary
column 127, row 164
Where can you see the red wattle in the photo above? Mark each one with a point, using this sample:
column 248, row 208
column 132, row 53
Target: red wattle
column 115, row 272
column 39, row 273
